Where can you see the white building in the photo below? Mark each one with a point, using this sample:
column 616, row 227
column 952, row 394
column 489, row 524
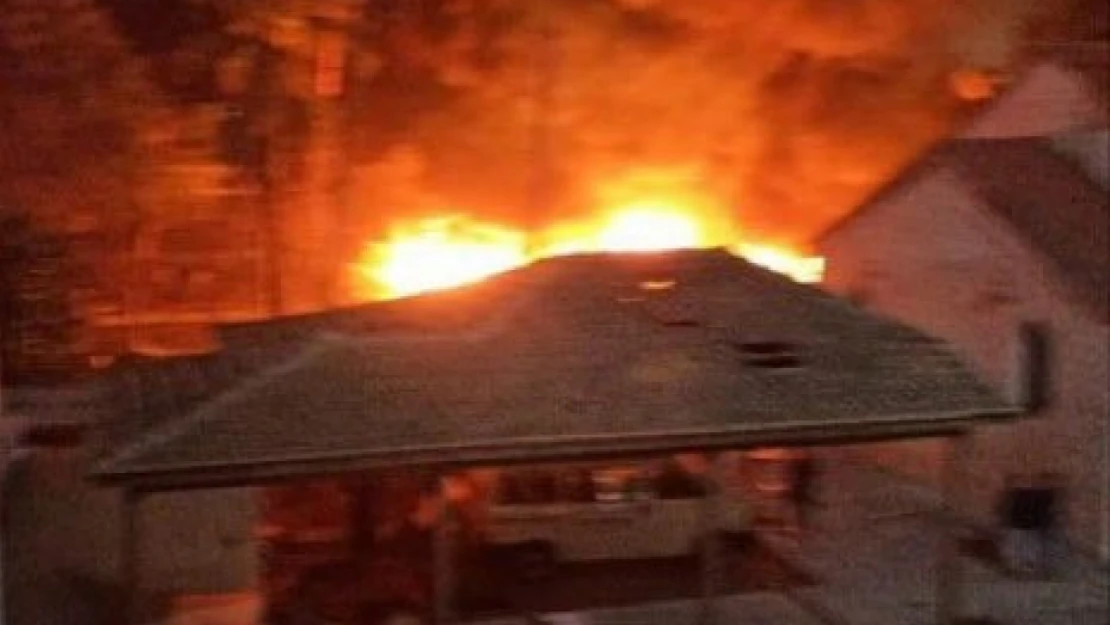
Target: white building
column 997, row 242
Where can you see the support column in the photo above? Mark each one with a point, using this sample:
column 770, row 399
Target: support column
column 131, row 542
column 712, row 563
column 949, row 569
column 444, row 565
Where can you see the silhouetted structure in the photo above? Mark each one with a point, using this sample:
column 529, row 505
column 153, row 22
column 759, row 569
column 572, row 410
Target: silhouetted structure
column 40, row 329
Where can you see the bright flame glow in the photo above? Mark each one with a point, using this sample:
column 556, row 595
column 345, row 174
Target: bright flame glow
column 650, row 228
column 437, row 254
column 443, row 252
column 806, row 269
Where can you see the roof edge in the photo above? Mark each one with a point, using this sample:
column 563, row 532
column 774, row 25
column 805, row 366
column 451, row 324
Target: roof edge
column 909, row 173
column 201, row 413
column 536, row 450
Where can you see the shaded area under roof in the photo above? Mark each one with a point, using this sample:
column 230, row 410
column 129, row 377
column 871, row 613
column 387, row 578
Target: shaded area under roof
column 588, row 355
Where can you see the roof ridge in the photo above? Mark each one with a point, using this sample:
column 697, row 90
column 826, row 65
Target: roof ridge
column 957, row 132
column 481, row 331
column 173, row 428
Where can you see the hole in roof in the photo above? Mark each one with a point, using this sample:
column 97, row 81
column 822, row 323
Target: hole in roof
column 680, row 322
column 781, row 361
column 770, row 354
column 766, row 348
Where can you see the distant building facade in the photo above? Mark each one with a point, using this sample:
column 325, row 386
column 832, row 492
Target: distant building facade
column 41, row 329
column 997, row 242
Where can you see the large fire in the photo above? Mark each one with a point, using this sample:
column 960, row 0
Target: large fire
column 799, row 267
column 443, row 252
column 650, row 228
column 439, row 253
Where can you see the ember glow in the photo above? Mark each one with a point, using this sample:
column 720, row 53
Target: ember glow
column 444, row 252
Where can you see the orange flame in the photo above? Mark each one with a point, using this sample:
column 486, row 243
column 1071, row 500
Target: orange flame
column 443, row 252
column 438, row 253
column 800, row 268
column 650, row 228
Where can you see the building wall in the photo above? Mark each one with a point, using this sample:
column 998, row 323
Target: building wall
column 198, row 541
column 929, row 255
column 1089, row 148
column 63, row 540
column 1049, row 99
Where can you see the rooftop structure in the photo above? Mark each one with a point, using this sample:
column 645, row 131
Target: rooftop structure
column 569, row 357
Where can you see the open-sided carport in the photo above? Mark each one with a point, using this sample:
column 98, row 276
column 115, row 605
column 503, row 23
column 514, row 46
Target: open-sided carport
column 570, row 358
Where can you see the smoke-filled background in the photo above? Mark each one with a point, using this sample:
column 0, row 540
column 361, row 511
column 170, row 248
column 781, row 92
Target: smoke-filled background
column 227, row 146
column 785, row 112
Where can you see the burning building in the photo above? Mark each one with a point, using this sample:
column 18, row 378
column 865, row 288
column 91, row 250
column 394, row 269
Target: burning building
column 579, row 357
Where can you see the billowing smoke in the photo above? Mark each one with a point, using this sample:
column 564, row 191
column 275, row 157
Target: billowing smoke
column 784, row 113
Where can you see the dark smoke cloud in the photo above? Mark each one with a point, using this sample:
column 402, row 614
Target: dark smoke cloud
column 787, row 111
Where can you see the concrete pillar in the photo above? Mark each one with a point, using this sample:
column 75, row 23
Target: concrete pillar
column 131, row 544
column 712, row 561
column 949, row 569
column 444, row 564
column 11, row 453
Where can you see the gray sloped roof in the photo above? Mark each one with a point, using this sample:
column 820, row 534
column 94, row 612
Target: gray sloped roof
column 565, row 357
column 1090, row 58
column 1050, row 202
